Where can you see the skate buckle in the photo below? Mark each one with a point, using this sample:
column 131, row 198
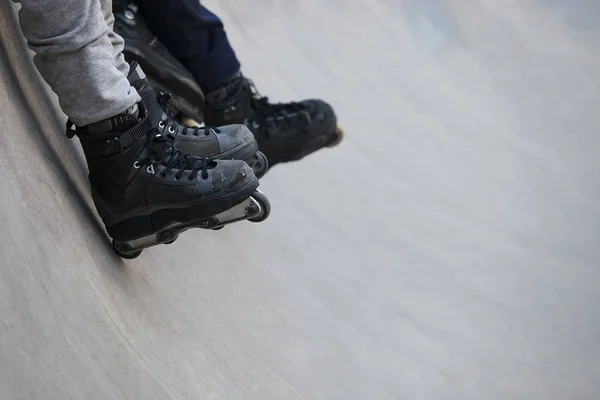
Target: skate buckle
column 113, row 146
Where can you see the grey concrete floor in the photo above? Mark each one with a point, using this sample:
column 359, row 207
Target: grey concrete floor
column 448, row 249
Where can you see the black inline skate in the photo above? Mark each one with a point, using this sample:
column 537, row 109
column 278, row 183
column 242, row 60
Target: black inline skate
column 229, row 142
column 147, row 192
column 285, row 132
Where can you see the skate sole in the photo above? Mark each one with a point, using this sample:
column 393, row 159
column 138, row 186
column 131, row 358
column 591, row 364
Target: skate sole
column 254, row 209
column 144, row 225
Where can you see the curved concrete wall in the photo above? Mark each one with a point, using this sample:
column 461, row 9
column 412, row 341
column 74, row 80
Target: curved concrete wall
column 447, row 250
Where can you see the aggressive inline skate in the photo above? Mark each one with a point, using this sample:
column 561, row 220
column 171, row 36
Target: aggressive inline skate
column 147, row 192
column 284, row 131
column 227, row 142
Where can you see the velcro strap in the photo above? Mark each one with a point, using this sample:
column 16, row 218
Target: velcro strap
column 119, row 141
column 134, row 134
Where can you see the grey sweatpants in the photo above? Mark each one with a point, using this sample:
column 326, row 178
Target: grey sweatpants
column 79, row 56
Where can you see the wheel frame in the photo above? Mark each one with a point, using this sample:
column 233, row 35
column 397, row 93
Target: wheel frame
column 127, row 256
column 265, row 206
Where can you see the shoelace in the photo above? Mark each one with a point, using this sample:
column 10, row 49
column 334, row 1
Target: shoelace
column 162, row 153
column 164, row 100
column 277, row 112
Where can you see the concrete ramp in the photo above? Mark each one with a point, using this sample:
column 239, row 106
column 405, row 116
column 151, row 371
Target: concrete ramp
column 448, row 249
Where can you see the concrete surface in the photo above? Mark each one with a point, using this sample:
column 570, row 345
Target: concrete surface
column 447, row 250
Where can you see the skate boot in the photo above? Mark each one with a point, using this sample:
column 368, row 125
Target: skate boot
column 165, row 73
column 230, row 142
column 284, row 132
column 147, row 192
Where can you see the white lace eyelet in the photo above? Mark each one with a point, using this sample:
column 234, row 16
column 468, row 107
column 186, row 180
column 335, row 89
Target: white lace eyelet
column 161, row 124
column 171, row 129
column 136, row 165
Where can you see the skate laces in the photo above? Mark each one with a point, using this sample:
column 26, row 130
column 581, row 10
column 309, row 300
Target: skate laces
column 164, row 100
column 276, row 112
column 162, row 153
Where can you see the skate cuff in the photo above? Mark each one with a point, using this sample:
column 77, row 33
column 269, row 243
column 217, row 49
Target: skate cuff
column 118, row 142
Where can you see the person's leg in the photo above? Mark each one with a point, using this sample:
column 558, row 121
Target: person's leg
column 74, row 55
column 234, row 141
column 195, row 36
column 136, row 175
column 117, row 41
column 80, row 56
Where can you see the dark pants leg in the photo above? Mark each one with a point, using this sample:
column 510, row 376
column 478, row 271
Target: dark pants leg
column 195, row 36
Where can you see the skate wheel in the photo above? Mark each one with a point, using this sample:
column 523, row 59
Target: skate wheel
column 170, row 241
column 339, row 136
column 125, row 255
column 265, row 206
column 218, row 228
column 260, row 164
